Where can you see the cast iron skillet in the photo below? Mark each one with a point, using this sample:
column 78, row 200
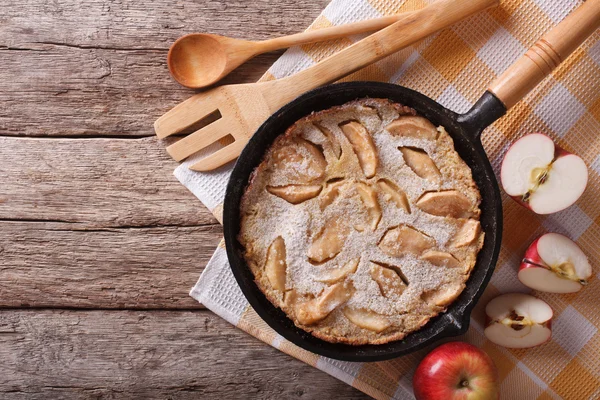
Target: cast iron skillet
column 465, row 129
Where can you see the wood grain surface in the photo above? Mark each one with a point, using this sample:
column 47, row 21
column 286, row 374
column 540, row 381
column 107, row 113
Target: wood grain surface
column 54, row 354
column 99, row 243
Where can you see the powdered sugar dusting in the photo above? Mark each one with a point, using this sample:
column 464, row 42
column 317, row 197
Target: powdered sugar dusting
column 266, row 216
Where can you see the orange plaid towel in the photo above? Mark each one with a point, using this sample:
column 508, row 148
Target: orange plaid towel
column 454, row 67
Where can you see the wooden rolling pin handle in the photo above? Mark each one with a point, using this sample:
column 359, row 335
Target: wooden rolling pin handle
column 547, row 54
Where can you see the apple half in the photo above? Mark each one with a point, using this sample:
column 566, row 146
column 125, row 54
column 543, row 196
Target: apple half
column 541, row 176
column 518, row 321
column 554, row 263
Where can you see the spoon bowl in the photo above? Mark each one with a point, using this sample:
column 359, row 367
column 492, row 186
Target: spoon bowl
column 198, row 59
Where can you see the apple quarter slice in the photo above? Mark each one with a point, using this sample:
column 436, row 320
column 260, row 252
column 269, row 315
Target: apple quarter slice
column 339, row 273
column 554, row 263
column 517, row 320
column 367, row 319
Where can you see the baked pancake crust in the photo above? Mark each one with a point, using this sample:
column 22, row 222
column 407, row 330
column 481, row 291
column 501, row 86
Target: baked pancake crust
column 362, row 222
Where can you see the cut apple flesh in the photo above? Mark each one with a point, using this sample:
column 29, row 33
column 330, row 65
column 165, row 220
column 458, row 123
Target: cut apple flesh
column 369, row 111
column 544, row 177
column 335, row 145
column 522, row 304
column 563, row 184
column 367, row 319
column 332, row 191
column 301, row 160
column 443, row 296
column 554, row 263
column 339, row 273
column 295, row 194
column 404, row 239
column 389, row 280
column 541, row 278
column 363, row 146
column 441, row 259
column 329, row 242
column 313, row 311
column 560, row 252
column 507, row 336
column 467, row 234
column 392, row 192
column 290, row 297
column 369, row 199
column 421, row 164
column 275, row 267
column 564, row 271
column 518, row 320
column 447, row 203
column 530, row 153
column 413, row 126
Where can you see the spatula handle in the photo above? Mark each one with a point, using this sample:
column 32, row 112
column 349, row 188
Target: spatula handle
column 545, row 55
column 409, row 29
column 322, row 34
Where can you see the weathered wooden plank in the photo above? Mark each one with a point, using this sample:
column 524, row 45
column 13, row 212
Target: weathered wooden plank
column 148, row 24
column 94, row 183
column 98, row 68
column 56, row 265
column 151, row 355
column 120, row 231
column 91, row 92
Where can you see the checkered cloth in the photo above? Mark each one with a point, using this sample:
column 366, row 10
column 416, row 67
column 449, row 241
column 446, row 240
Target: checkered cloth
column 454, row 67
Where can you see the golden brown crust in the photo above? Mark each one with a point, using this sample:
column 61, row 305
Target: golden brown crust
column 324, row 236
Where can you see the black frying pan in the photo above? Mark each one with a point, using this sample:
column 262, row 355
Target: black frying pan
column 465, row 129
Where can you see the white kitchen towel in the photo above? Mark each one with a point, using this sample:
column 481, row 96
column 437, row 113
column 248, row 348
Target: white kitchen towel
column 454, row 67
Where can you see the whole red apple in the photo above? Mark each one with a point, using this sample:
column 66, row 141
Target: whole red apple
column 454, row 371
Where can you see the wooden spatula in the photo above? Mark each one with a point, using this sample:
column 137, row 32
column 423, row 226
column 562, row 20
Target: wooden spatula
column 243, row 108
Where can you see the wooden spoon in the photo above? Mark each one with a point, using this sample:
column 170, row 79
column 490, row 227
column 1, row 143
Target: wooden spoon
column 244, row 107
column 200, row 59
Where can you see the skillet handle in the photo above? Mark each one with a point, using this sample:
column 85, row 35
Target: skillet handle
column 552, row 49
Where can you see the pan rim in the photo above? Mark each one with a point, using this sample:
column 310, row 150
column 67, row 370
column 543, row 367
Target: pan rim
column 453, row 323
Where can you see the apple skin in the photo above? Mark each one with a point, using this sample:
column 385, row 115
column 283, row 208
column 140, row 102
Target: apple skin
column 440, row 373
column 560, row 152
column 524, row 265
column 532, row 255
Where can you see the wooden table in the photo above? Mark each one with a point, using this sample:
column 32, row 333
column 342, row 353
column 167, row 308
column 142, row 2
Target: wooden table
column 99, row 244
